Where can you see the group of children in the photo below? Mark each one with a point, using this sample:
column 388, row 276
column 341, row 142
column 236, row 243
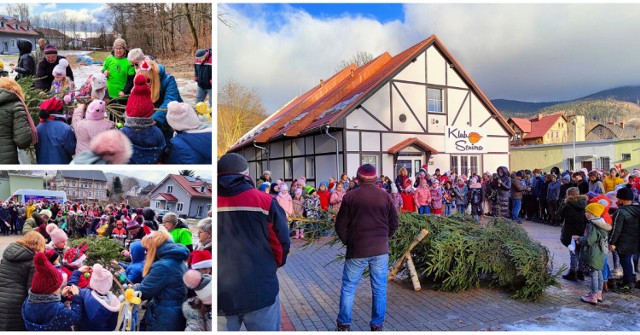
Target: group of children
column 66, row 293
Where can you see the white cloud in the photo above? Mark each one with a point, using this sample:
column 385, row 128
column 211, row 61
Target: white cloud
column 539, row 52
column 50, row 6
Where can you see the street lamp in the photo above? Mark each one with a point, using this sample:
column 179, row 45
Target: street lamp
column 575, row 135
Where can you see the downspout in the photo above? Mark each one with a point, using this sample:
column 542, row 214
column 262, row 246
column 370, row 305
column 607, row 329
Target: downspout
column 266, row 152
column 337, row 152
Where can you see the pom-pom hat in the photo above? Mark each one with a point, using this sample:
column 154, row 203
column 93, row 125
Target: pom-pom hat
column 50, row 49
column 61, row 69
column 46, row 279
column 52, row 105
column 140, row 104
column 181, row 116
column 58, row 236
column 101, row 279
column 200, row 283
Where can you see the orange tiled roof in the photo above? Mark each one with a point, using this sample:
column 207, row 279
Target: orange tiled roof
column 411, row 141
column 523, row 124
column 539, row 127
column 318, row 107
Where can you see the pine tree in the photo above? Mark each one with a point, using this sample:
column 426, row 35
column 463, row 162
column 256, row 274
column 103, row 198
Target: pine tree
column 117, row 186
column 187, row 173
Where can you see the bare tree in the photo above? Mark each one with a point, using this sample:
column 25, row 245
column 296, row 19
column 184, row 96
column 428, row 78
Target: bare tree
column 239, row 110
column 359, row 59
column 23, row 11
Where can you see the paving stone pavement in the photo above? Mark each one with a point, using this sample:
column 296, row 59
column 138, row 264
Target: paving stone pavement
column 310, row 295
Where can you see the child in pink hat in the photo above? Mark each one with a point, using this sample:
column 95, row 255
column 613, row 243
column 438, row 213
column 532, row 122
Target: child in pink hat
column 100, row 306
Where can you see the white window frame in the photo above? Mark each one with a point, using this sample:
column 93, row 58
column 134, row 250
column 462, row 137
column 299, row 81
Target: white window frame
column 157, row 204
column 179, row 207
column 439, row 102
column 13, row 43
column 370, row 159
column 169, row 189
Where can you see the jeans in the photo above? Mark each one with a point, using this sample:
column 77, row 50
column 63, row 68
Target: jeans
column 448, row 209
column 517, row 204
column 627, row 270
column 616, row 259
column 264, row 319
column 606, row 271
column 202, row 93
column 573, row 260
column 596, row 281
column 353, row 270
column 424, row 210
column 461, row 208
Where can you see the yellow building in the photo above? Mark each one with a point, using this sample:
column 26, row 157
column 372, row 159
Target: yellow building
column 539, row 130
column 595, row 154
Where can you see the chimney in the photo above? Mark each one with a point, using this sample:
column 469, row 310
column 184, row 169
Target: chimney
column 622, row 125
column 611, row 123
column 321, row 82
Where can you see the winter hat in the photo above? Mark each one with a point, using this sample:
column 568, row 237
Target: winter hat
column 47, row 279
column 200, row 53
column 367, row 173
column 595, row 208
column 58, row 235
column 326, row 184
column 519, row 174
column 95, row 111
column 612, row 199
column 407, row 182
column 46, row 212
column 309, row 189
column 101, row 279
column 98, row 81
column 181, row 116
column 50, row 49
column 74, row 257
column 474, row 179
column 200, row 283
column 133, row 224
column 50, row 227
column 148, row 214
column 200, row 259
column 263, row 187
column 625, row 193
column 61, row 68
column 284, row 187
column 233, row 163
column 111, row 147
column 50, row 106
column 120, row 42
column 567, row 178
column 52, row 255
column 636, row 173
column 435, row 181
column 592, row 194
column 394, row 188
column 140, row 104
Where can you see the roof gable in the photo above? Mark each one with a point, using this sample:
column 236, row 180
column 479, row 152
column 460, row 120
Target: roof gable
column 541, row 125
column 336, row 103
column 409, row 142
column 84, row 174
column 523, row 124
column 192, row 187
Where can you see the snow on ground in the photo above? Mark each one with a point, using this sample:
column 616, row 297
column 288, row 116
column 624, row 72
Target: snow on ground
column 604, row 317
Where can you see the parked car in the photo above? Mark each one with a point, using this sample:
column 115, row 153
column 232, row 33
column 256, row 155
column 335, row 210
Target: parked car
column 160, row 214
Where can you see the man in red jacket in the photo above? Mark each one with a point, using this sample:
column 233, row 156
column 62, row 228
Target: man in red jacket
column 365, row 222
column 253, row 242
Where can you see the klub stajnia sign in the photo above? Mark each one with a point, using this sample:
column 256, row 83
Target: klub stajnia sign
column 465, row 140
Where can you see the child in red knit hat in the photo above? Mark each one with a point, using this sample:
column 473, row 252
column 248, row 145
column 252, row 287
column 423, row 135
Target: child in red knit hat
column 43, row 310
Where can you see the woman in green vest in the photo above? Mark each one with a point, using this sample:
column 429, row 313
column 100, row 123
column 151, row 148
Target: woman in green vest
column 178, row 229
column 118, row 70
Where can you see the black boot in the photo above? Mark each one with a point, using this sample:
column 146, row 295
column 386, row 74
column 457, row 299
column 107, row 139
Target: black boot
column 343, row 327
column 377, row 328
column 580, row 275
column 570, row 276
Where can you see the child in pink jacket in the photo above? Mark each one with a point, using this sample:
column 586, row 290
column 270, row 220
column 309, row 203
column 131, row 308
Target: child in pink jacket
column 285, row 200
column 89, row 126
column 422, row 198
column 336, row 197
column 436, row 197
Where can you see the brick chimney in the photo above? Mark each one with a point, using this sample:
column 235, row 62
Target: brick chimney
column 622, row 125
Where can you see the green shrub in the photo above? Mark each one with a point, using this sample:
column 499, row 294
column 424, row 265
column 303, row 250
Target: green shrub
column 101, row 250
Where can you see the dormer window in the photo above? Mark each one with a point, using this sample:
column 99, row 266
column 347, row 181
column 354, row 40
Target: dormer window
column 1, row 24
column 202, row 188
column 16, row 26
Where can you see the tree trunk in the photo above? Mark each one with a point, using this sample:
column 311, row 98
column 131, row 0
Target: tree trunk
column 194, row 33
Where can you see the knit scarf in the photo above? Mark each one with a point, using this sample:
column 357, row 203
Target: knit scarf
column 138, row 122
column 43, row 298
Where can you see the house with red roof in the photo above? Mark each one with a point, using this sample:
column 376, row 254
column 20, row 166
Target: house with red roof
column 186, row 196
column 417, row 108
column 11, row 29
column 539, row 129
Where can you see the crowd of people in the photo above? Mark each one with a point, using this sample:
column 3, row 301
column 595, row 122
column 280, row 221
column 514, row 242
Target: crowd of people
column 158, row 126
column 45, row 284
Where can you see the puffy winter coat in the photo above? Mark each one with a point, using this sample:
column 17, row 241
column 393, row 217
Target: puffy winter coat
column 626, row 230
column 504, row 193
column 16, row 272
column 572, row 212
column 86, row 129
column 16, row 127
column 553, row 191
column 147, row 144
column 45, row 71
column 336, row 199
column 164, row 288
column 594, row 242
column 190, row 147
column 610, row 183
column 203, row 71
column 286, row 202
column 168, row 92
column 135, row 268
column 196, row 321
column 45, row 312
column 56, row 142
column 461, row 194
column 182, row 235
column 422, row 196
column 97, row 313
column 436, row 197
column 26, row 63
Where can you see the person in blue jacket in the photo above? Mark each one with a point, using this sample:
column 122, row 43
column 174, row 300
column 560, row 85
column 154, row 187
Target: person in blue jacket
column 192, row 143
column 162, row 284
column 56, row 140
column 133, row 270
column 43, row 310
column 100, row 307
column 147, row 141
column 164, row 89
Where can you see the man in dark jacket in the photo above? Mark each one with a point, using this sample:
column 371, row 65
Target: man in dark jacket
column 45, row 68
column 204, row 73
column 571, row 211
column 253, row 242
column 26, row 63
column 5, row 220
column 503, row 185
column 365, row 222
column 625, row 234
column 516, row 195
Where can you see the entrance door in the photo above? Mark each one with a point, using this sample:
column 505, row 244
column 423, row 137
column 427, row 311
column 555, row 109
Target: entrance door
column 587, row 165
column 411, row 163
column 5, row 47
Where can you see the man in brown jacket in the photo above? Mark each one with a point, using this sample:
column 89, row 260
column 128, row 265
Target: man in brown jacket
column 365, row 222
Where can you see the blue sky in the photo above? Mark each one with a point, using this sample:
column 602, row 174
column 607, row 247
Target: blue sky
column 44, row 7
column 528, row 52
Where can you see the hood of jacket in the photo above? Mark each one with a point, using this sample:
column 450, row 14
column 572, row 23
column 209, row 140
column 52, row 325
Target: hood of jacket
column 24, row 46
column 232, row 184
column 182, row 224
column 199, row 142
column 173, row 251
column 7, row 97
column 137, row 252
column 600, row 223
column 577, row 201
column 505, row 170
column 17, row 252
